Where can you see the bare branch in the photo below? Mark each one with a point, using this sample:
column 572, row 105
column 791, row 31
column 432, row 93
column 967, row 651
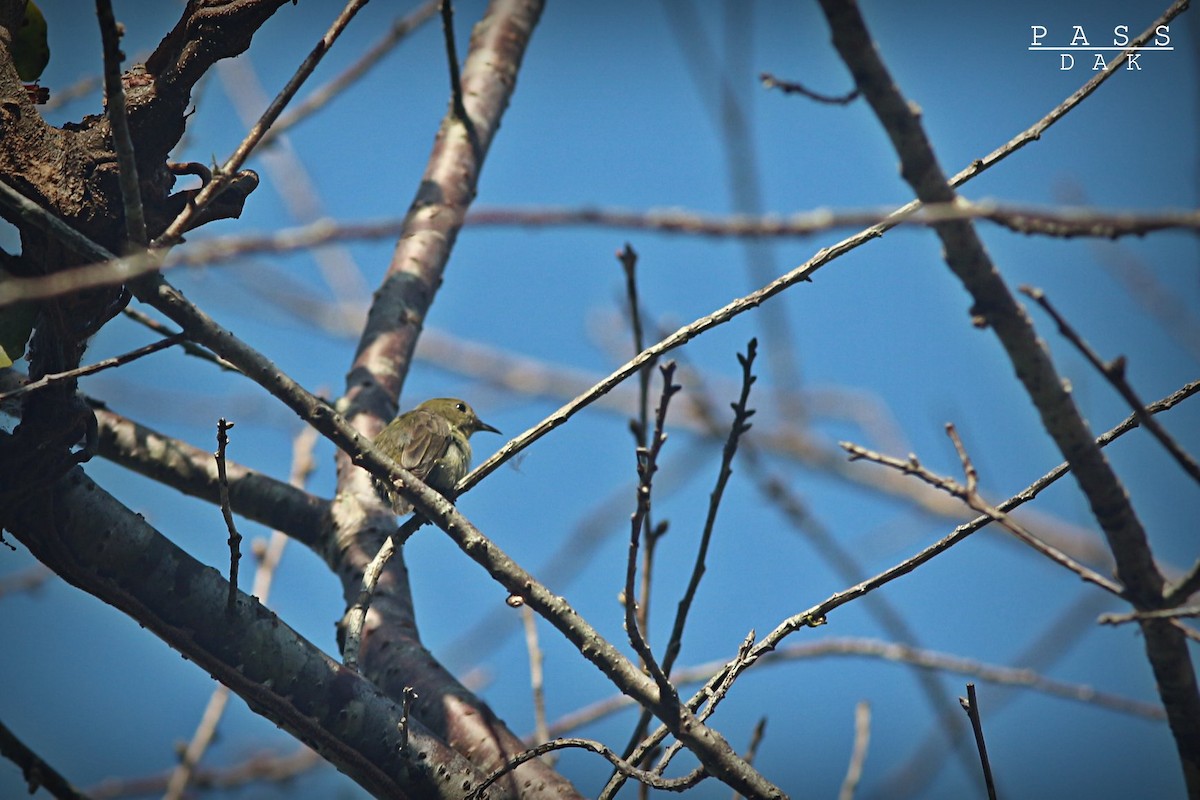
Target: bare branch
column 858, row 755
column 322, row 95
column 536, row 680
column 741, row 424
column 971, row 705
column 356, row 615
column 1059, row 222
column 756, row 737
column 815, row 615
column 640, row 428
column 1064, row 222
column 769, row 81
column 647, row 465
column 37, row 772
column 1185, row 587
column 969, row 494
column 268, row 560
column 192, row 470
column 996, row 308
column 1162, row 613
column 230, row 168
column 625, row 768
column 131, row 192
column 1114, row 372
column 235, row 538
column 837, row 647
column 456, row 91
column 263, row 767
column 104, row 548
column 91, row 369
column 188, row 347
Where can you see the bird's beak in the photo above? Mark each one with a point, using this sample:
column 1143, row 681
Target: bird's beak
column 480, row 425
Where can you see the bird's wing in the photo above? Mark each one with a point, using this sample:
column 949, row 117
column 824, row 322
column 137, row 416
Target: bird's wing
column 428, row 439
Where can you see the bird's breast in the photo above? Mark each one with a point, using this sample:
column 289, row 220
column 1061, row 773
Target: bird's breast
column 452, row 467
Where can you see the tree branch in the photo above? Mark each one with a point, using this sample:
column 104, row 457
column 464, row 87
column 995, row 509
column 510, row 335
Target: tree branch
column 1114, row 372
column 37, row 772
column 995, row 307
column 815, row 615
column 102, row 547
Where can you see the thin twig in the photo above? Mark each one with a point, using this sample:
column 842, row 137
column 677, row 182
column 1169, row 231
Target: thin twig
column 110, row 269
column 741, row 424
column 931, row 660
column 1172, row 614
column 969, row 494
column 756, row 737
column 858, row 755
column 1065, row 221
column 970, row 704
column 995, row 307
column 356, row 615
column 456, row 91
column 1185, row 587
column 188, row 347
column 206, row 731
column 647, row 465
column 38, row 774
column 39, row 287
column 268, row 561
column 407, row 697
column 628, row 258
column 769, row 81
column 235, row 161
column 131, row 193
column 263, row 767
column 192, row 471
column 815, row 615
column 90, row 369
column 322, row 95
column 1161, row 613
column 536, row 679
column 647, row 778
column 1114, row 372
column 649, row 745
column 235, row 538
column 641, row 427
column 912, row 777
column 837, row 554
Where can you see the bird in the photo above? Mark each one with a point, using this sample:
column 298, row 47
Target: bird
column 432, row 442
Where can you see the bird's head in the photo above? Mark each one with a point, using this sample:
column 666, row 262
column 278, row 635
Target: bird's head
column 460, row 415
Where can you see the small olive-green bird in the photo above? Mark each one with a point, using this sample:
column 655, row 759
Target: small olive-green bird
column 431, row 442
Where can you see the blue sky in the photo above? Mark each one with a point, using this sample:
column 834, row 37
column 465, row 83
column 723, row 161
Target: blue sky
column 606, row 114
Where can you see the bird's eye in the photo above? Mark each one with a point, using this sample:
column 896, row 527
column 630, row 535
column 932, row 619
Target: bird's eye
column 461, row 407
